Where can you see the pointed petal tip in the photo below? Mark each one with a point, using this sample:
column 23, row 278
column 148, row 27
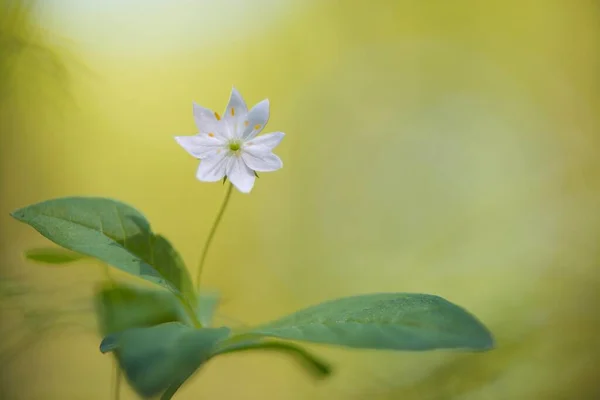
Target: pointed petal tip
column 206, row 180
column 244, row 191
column 181, row 140
column 178, row 140
column 243, row 187
column 264, row 102
column 241, row 176
column 200, row 109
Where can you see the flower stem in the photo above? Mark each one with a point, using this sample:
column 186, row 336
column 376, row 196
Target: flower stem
column 211, row 235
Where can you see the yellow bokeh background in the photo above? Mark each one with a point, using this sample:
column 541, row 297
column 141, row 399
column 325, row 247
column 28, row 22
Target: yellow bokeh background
column 446, row 147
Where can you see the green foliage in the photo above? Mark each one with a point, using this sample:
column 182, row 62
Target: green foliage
column 158, row 360
column 151, row 331
column 53, row 255
column 138, row 322
column 120, row 307
column 112, row 232
column 395, row 321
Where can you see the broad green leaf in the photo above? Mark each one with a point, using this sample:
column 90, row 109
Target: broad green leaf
column 120, row 307
column 113, row 232
column 395, row 321
column 319, row 368
column 159, row 359
column 53, row 255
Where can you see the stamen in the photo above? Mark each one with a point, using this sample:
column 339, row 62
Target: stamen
column 217, row 116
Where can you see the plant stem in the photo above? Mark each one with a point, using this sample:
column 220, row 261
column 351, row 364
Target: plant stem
column 211, row 235
column 118, row 376
column 190, row 312
column 117, row 381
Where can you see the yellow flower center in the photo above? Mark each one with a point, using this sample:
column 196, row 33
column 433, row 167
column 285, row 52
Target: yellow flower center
column 235, row 145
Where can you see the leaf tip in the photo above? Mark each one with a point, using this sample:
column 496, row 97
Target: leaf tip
column 487, row 342
column 322, row 370
column 18, row 214
column 108, row 344
column 482, row 339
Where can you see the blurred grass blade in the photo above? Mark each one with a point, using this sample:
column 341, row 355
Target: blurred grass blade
column 53, row 255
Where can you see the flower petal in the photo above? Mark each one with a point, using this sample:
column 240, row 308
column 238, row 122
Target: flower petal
column 236, row 106
column 257, row 119
column 240, row 175
column 268, row 140
column 206, row 120
column 235, row 114
column 262, row 163
column 213, row 169
column 202, row 145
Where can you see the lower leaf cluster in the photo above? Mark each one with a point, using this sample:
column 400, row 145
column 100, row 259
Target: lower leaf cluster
column 157, row 346
column 160, row 337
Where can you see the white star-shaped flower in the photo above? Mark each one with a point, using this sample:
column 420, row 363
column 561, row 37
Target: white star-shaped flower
column 228, row 146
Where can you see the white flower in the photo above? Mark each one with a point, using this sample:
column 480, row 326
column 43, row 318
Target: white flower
column 228, row 145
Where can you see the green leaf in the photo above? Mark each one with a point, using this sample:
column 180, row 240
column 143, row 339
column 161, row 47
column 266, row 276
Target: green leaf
column 53, row 255
column 120, row 307
column 113, row 232
column 319, row 368
column 160, row 358
column 395, row 321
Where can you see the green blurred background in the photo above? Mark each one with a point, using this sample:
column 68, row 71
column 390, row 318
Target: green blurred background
column 447, row 147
